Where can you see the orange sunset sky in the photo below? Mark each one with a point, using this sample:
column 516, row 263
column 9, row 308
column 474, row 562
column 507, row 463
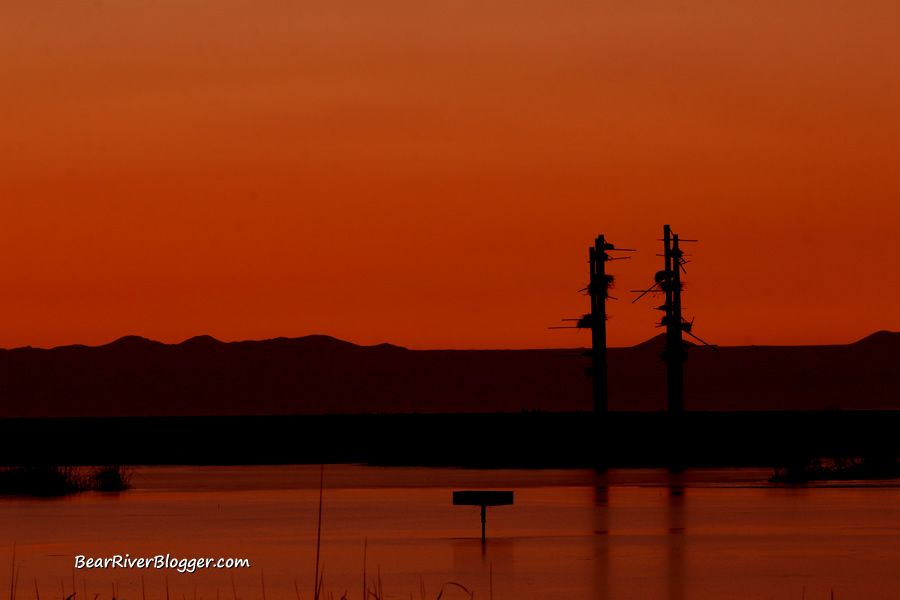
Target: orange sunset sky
column 431, row 174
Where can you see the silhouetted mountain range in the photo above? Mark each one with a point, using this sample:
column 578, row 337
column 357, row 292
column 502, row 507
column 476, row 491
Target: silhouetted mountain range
column 319, row 374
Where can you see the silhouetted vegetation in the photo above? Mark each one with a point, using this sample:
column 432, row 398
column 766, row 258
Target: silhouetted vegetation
column 59, row 481
column 837, row 469
column 110, row 479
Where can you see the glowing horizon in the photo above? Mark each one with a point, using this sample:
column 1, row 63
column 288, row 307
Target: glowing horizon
column 433, row 176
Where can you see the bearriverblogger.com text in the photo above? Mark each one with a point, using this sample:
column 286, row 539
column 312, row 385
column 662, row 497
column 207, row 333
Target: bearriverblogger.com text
column 182, row 565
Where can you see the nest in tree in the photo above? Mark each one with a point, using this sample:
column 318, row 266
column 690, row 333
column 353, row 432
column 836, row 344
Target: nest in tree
column 587, row 321
column 670, row 286
column 668, row 320
column 608, row 283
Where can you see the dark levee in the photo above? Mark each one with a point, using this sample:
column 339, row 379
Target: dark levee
column 492, row 440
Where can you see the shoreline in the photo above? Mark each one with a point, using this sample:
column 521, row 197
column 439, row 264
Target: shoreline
column 475, row 440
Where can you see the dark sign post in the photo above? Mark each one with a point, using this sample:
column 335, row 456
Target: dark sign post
column 482, row 498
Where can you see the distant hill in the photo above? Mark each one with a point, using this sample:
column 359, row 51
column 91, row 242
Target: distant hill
column 319, row 374
column 861, row 375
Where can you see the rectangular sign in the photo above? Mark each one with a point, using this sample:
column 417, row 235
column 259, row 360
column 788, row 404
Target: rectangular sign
column 482, row 498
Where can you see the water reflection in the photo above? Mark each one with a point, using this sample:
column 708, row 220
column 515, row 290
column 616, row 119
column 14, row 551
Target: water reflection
column 472, row 555
column 601, row 537
column 615, row 535
column 675, row 540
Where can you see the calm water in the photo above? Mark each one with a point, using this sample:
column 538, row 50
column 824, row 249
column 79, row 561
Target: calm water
column 640, row 534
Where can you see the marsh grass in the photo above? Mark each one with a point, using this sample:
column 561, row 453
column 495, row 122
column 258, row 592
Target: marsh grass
column 110, row 478
column 375, row 592
column 41, row 481
column 55, row 481
column 827, row 469
column 59, row 481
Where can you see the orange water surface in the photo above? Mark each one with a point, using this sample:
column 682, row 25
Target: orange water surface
column 641, row 534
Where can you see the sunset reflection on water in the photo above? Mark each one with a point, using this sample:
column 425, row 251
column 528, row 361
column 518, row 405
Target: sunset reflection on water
column 570, row 534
